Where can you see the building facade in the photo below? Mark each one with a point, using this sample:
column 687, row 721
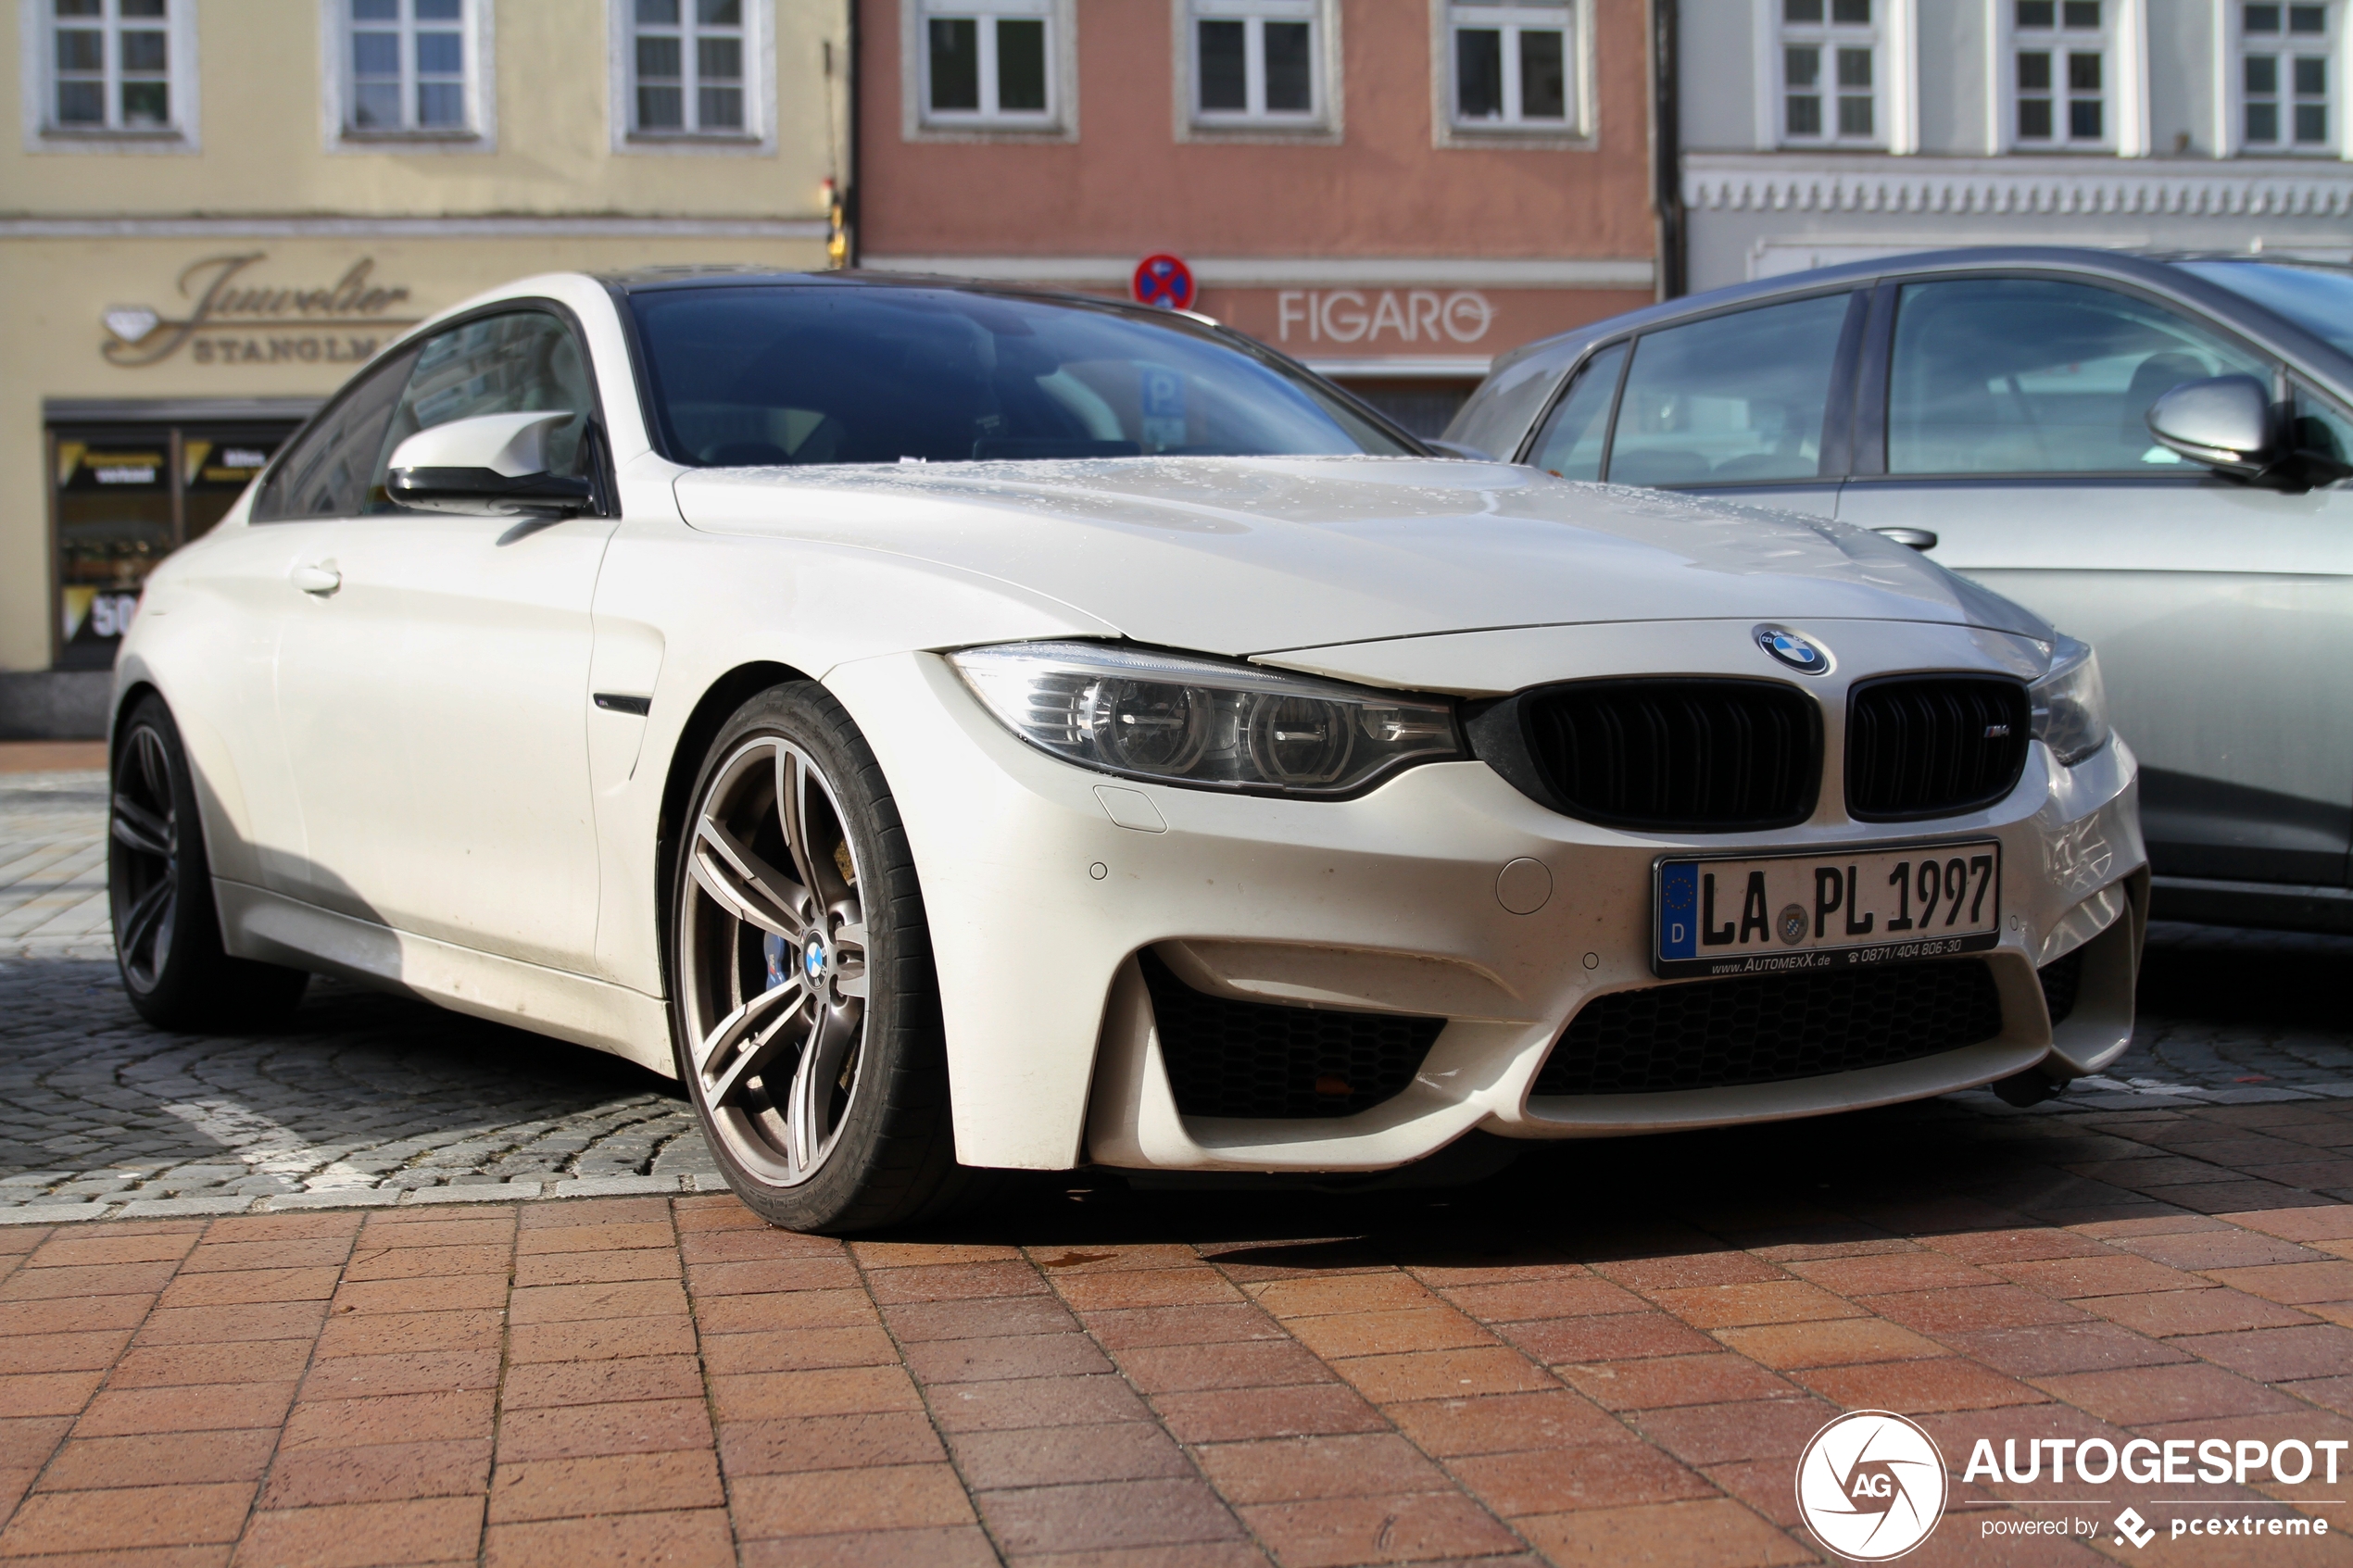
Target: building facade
column 1824, row 131
column 215, row 209
column 1394, row 191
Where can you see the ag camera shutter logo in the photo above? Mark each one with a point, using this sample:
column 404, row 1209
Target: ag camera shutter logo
column 1870, row 1485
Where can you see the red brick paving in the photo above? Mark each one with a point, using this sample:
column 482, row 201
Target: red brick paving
column 1496, row 1381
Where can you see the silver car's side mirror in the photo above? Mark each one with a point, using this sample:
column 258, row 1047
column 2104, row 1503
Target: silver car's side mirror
column 2229, row 424
column 2223, row 421
column 493, row 465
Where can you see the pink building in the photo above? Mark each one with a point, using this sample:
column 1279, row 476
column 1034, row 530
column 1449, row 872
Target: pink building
column 1394, row 191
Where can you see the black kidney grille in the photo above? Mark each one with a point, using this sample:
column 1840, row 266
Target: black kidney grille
column 1932, row 746
column 2062, row 980
column 1663, row 754
column 1768, row 1028
column 1229, row 1057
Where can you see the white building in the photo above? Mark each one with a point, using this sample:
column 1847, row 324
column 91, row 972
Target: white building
column 1823, row 130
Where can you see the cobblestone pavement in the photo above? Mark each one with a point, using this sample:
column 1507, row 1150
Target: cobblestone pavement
column 363, row 1097
column 1613, row 1354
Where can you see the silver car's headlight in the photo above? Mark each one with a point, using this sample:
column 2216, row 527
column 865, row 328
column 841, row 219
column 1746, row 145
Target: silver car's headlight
column 1203, row 722
column 2071, row 708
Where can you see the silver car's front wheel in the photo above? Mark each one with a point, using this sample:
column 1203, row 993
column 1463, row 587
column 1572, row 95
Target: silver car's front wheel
column 806, row 1019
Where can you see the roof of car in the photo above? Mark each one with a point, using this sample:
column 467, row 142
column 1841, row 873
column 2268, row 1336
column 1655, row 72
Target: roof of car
column 2153, row 269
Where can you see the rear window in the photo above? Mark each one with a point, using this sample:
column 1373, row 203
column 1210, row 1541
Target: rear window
column 754, row 376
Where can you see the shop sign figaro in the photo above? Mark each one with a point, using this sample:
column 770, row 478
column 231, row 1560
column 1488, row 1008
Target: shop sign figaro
column 234, row 320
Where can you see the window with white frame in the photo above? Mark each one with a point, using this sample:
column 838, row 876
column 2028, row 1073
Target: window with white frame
column 412, row 66
column 2287, row 74
column 2062, row 58
column 1515, row 64
column 687, row 62
column 1831, row 71
column 988, row 61
column 1256, row 62
column 111, row 66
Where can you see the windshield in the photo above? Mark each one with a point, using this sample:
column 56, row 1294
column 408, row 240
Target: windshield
column 2319, row 300
column 751, row 376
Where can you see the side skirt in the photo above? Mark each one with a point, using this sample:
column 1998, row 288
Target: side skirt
column 256, row 924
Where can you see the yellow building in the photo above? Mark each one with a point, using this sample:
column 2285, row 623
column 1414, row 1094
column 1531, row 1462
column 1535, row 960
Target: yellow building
column 215, row 209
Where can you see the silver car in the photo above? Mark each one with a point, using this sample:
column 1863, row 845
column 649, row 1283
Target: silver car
column 2146, row 450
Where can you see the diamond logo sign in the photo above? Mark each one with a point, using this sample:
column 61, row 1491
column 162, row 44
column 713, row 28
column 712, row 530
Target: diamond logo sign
column 1870, row 1485
column 130, row 322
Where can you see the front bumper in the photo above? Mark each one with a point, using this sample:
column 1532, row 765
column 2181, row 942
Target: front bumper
column 1039, row 900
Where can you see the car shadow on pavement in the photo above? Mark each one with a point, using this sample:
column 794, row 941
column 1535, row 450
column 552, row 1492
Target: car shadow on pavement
column 356, row 1089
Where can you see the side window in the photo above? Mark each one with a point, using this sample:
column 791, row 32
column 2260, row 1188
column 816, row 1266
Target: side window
column 1736, row 399
column 2320, row 427
column 1570, row 444
column 512, row 364
column 324, row 473
column 2032, row 375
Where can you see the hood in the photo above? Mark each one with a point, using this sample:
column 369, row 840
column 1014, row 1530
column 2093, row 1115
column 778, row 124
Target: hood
column 1245, row 556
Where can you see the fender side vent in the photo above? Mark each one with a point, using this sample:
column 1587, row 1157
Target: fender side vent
column 1260, row 1059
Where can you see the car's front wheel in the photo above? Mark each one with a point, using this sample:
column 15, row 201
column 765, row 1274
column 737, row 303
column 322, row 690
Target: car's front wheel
column 805, row 1015
column 167, row 932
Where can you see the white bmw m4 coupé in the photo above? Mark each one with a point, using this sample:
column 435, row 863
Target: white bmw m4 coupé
column 952, row 728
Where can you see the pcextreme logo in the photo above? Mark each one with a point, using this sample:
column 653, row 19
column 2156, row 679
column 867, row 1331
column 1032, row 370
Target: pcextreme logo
column 1870, row 1485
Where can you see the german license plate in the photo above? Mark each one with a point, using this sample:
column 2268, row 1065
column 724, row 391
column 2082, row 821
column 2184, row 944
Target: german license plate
column 1820, row 910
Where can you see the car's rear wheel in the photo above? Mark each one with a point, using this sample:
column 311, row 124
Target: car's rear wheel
column 167, row 932
column 805, row 1014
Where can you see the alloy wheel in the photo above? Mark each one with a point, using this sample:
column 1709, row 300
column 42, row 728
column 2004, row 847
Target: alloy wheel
column 145, row 827
column 773, row 960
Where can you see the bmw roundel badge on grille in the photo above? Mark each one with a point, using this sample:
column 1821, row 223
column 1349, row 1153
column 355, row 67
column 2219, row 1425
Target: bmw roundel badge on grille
column 1801, row 655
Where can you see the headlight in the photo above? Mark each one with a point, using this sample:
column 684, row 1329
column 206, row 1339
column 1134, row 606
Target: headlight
column 2071, row 711
column 1203, row 722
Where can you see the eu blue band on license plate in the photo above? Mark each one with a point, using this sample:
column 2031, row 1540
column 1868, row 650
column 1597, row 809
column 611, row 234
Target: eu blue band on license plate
column 1826, row 908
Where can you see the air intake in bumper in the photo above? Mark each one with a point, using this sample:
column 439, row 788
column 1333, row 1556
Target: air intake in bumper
column 1771, row 1028
column 1232, row 1058
column 1678, row 755
column 1932, row 746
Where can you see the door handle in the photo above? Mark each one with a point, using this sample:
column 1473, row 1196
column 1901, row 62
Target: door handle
column 1918, row 538
column 316, row 577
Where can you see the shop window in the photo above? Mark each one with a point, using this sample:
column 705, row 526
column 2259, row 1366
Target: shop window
column 686, row 64
column 2287, row 74
column 989, row 62
column 2062, row 66
column 1831, row 65
column 1515, row 64
column 410, row 67
column 125, row 497
column 116, row 67
column 1256, row 63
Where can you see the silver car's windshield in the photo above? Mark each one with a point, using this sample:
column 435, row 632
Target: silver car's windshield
column 751, row 376
column 2318, row 299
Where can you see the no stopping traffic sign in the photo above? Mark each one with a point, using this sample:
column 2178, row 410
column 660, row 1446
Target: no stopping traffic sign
column 1164, row 280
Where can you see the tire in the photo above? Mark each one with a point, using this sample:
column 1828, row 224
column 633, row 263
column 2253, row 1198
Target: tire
column 167, row 929
column 804, row 1010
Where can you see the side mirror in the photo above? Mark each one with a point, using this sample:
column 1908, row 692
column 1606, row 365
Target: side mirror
column 2223, row 421
column 494, row 465
column 2229, row 424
